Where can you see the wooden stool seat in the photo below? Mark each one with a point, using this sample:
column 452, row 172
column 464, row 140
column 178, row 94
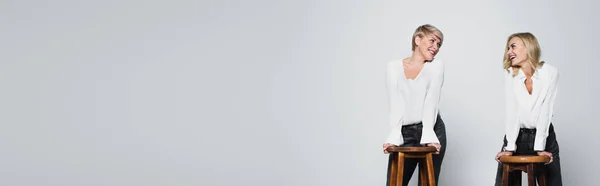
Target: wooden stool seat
column 425, row 163
column 524, row 159
column 411, row 149
column 525, row 164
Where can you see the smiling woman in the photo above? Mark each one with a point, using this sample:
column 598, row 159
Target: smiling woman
column 529, row 111
column 414, row 85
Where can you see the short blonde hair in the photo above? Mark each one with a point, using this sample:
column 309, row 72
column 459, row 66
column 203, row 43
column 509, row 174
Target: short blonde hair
column 424, row 30
column 533, row 51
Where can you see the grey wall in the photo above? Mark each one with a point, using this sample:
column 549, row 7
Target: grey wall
column 222, row 93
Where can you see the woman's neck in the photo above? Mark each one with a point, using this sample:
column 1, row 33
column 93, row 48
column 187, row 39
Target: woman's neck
column 527, row 69
column 415, row 59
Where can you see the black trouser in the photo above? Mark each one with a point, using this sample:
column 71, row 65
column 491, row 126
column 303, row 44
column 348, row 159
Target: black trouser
column 412, row 137
column 525, row 142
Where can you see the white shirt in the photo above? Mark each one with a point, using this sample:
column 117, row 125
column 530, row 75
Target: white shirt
column 532, row 111
column 413, row 101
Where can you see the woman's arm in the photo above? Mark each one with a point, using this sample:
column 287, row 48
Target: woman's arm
column 511, row 107
column 545, row 117
column 431, row 104
column 395, row 104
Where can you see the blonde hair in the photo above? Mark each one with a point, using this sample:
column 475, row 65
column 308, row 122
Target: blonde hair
column 533, row 52
column 424, row 30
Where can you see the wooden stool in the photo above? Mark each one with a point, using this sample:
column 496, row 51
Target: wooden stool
column 425, row 164
column 525, row 164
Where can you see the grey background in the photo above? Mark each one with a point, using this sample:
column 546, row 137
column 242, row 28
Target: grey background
column 220, row 93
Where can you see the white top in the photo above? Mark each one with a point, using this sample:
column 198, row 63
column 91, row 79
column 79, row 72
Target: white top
column 532, row 111
column 414, row 100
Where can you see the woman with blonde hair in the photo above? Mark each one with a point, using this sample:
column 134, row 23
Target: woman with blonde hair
column 414, row 86
column 530, row 94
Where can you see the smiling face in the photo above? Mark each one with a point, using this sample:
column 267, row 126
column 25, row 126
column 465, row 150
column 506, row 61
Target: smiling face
column 426, row 41
column 428, row 45
column 517, row 52
column 522, row 51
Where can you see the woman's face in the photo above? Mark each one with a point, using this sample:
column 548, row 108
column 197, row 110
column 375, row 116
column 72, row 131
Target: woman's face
column 517, row 52
column 428, row 46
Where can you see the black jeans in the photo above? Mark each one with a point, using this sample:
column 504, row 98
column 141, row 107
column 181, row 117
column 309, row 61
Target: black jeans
column 525, row 142
column 412, row 137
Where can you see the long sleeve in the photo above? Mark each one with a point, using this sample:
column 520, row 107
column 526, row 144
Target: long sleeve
column 511, row 120
column 396, row 106
column 545, row 117
column 430, row 107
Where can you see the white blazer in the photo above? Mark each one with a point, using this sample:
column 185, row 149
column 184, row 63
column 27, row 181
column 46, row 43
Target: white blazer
column 414, row 101
column 533, row 111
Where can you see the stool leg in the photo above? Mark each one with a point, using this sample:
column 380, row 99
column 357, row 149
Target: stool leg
column 517, row 178
column 542, row 175
column 505, row 174
column 430, row 171
column 530, row 175
column 393, row 169
column 400, row 168
column 423, row 171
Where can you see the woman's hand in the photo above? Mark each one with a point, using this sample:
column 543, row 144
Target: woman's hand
column 385, row 146
column 500, row 154
column 437, row 147
column 544, row 153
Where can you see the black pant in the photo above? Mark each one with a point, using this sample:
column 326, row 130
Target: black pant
column 525, row 142
column 412, row 137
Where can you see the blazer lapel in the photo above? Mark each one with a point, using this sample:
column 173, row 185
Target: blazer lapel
column 540, row 88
